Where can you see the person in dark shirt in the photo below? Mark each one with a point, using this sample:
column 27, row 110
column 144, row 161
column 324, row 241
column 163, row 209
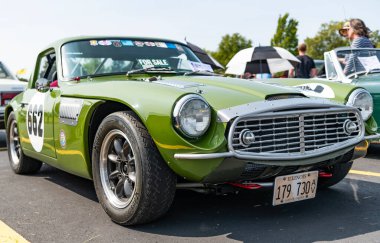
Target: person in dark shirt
column 306, row 67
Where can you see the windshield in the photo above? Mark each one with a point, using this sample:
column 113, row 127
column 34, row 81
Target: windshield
column 102, row 57
column 357, row 60
column 4, row 73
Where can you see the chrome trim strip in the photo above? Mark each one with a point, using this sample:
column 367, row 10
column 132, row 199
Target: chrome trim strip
column 263, row 156
column 178, row 84
column 264, row 184
column 370, row 137
column 205, row 156
column 227, row 114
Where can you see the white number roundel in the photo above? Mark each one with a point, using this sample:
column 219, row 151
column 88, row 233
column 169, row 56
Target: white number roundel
column 35, row 121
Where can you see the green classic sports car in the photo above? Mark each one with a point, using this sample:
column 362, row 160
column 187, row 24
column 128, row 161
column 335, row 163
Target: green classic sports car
column 142, row 117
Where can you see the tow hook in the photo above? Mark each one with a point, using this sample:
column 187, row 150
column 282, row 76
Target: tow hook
column 323, row 174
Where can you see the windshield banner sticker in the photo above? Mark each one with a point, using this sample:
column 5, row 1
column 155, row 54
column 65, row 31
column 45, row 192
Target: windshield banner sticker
column 139, row 43
column 93, row 42
column 161, row 44
column 317, row 90
column 179, row 47
column 370, row 63
column 105, row 43
column 171, row 45
column 198, row 66
column 127, row 43
column 147, row 63
column 116, row 43
column 149, row 43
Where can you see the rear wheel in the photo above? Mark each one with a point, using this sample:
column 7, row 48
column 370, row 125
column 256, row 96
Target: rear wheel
column 338, row 172
column 20, row 163
column 133, row 184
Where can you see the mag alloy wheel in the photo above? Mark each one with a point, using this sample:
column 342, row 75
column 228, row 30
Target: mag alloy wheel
column 117, row 169
column 14, row 143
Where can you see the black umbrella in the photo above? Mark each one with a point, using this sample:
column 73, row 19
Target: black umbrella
column 204, row 56
column 262, row 59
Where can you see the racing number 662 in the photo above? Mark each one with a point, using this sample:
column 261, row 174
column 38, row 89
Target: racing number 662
column 35, row 120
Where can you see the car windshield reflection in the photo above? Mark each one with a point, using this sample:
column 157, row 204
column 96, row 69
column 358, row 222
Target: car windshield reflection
column 357, row 61
column 107, row 57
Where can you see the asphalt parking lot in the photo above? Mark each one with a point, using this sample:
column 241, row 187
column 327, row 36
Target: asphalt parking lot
column 53, row 206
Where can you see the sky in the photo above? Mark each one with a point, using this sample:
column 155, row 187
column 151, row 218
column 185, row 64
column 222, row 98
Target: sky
column 26, row 26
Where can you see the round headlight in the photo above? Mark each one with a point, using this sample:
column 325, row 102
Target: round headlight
column 192, row 116
column 362, row 100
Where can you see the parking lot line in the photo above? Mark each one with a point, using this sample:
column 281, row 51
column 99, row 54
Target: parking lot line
column 368, row 173
column 8, row 235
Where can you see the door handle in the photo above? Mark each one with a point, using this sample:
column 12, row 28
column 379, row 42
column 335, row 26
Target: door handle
column 23, row 104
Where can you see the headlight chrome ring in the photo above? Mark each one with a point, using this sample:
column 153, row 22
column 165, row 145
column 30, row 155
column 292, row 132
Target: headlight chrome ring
column 361, row 99
column 192, row 116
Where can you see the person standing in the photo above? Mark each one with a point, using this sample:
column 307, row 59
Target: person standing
column 306, row 67
column 357, row 33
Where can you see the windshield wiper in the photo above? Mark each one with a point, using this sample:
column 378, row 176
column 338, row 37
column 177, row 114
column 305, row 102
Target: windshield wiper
column 201, row 72
column 152, row 70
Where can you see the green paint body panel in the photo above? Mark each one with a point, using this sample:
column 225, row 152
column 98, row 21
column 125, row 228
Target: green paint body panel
column 153, row 103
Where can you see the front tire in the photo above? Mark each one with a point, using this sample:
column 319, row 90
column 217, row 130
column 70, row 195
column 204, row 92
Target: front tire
column 133, row 183
column 20, row 163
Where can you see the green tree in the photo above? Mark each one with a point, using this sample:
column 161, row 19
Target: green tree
column 375, row 38
column 229, row 46
column 286, row 34
column 326, row 39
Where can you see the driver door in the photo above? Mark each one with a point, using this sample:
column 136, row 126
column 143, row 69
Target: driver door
column 36, row 115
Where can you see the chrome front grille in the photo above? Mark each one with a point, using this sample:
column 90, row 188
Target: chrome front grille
column 298, row 132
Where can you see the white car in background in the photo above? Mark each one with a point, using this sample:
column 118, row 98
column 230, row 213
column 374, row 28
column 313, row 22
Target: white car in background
column 10, row 86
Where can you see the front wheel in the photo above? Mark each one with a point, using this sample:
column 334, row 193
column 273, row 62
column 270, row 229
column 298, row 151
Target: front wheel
column 20, row 163
column 133, row 183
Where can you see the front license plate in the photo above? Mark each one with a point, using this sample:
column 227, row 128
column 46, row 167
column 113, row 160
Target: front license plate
column 296, row 187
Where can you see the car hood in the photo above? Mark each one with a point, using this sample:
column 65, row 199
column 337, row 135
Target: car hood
column 338, row 92
column 220, row 92
column 12, row 85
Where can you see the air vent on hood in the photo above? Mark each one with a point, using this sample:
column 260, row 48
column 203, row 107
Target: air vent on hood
column 284, row 96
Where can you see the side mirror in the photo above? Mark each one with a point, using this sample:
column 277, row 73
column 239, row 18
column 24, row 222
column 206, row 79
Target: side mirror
column 42, row 85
